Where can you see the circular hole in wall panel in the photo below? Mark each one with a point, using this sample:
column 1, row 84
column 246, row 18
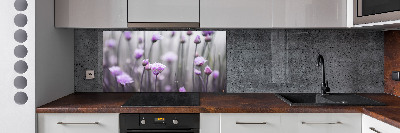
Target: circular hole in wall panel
column 20, row 20
column 20, row 5
column 20, row 67
column 20, row 51
column 20, row 98
column 20, row 36
column 20, row 82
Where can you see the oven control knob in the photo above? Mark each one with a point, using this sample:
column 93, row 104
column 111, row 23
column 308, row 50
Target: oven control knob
column 175, row 122
column 143, row 122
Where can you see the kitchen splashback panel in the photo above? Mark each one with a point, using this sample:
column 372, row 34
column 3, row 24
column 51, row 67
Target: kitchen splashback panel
column 164, row 61
column 262, row 60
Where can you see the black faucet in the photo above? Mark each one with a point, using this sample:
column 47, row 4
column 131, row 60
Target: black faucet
column 324, row 85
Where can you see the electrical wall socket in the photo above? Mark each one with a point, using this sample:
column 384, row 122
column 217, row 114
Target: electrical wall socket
column 89, row 74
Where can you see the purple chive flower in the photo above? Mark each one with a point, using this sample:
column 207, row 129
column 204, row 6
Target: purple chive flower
column 197, row 72
column 199, row 61
column 111, row 43
column 145, row 62
column 172, row 33
column 167, row 88
column 115, row 70
column 156, row 37
column 205, row 33
column 207, row 38
column 148, row 67
column 138, row 53
column 189, row 33
column 197, row 40
column 140, row 40
column 128, row 35
column 169, row 57
column 157, row 68
column 124, row 79
column 215, row 74
column 182, row 89
column 183, row 39
column 207, row 70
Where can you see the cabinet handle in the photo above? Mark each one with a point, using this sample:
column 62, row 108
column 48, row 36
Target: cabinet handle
column 321, row 123
column 373, row 129
column 251, row 122
column 64, row 123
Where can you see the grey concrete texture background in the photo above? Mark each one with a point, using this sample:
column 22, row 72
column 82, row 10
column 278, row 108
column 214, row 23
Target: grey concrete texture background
column 273, row 61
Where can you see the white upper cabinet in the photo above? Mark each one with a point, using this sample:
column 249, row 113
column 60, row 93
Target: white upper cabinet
column 236, row 13
column 310, row 13
column 273, row 13
column 163, row 11
column 90, row 13
column 204, row 13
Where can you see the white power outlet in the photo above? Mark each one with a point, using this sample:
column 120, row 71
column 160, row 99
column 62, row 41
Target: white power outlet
column 89, row 74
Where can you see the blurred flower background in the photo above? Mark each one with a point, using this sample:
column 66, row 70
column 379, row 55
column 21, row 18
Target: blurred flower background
column 164, row 61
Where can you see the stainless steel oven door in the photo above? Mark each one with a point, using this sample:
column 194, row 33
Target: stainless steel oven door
column 380, row 11
column 164, row 131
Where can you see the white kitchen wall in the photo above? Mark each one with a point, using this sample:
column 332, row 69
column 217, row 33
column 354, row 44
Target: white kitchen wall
column 54, row 56
column 17, row 112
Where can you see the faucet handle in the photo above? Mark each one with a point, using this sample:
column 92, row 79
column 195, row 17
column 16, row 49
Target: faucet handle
column 327, row 89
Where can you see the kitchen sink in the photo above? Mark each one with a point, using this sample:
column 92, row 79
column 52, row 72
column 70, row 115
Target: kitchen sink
column 317, row 99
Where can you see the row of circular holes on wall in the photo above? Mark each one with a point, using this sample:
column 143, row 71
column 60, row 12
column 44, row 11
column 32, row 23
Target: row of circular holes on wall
column 20, row 51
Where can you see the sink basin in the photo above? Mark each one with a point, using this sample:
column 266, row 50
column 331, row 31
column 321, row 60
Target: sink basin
column 316, row 99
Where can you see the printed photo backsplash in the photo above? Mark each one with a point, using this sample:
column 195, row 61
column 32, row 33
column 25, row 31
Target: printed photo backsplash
column 164, row 61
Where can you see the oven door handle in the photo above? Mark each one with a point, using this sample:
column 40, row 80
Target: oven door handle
column 162, row 131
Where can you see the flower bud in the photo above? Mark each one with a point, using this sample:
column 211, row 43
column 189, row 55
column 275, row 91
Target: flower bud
column 148, row 67
column 182, row 89
column 207, row 38
column 189, row 33
column 197, row 72
column 145, row 62
column 207, row 70
column 197, row 40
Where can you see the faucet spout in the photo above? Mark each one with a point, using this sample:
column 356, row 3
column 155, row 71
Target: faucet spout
column 324, row 84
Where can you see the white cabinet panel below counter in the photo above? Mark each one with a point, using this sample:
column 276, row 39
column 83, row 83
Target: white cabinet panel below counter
column 78, row 123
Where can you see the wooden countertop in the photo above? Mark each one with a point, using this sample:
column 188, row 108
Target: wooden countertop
column 219, row 103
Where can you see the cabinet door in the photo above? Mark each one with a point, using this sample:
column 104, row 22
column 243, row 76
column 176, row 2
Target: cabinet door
column 250, row 123
column 78, row 123
column 309, row 13
column 321, row 123
column 209, row 122
column 236, row 13
column 372, row 125
column 90, row 13
column 163, row 11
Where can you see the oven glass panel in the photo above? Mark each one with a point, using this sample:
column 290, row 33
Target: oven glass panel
column 372, row 7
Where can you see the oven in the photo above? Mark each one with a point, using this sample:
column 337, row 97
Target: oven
column 374, row 11
column 159, row 123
